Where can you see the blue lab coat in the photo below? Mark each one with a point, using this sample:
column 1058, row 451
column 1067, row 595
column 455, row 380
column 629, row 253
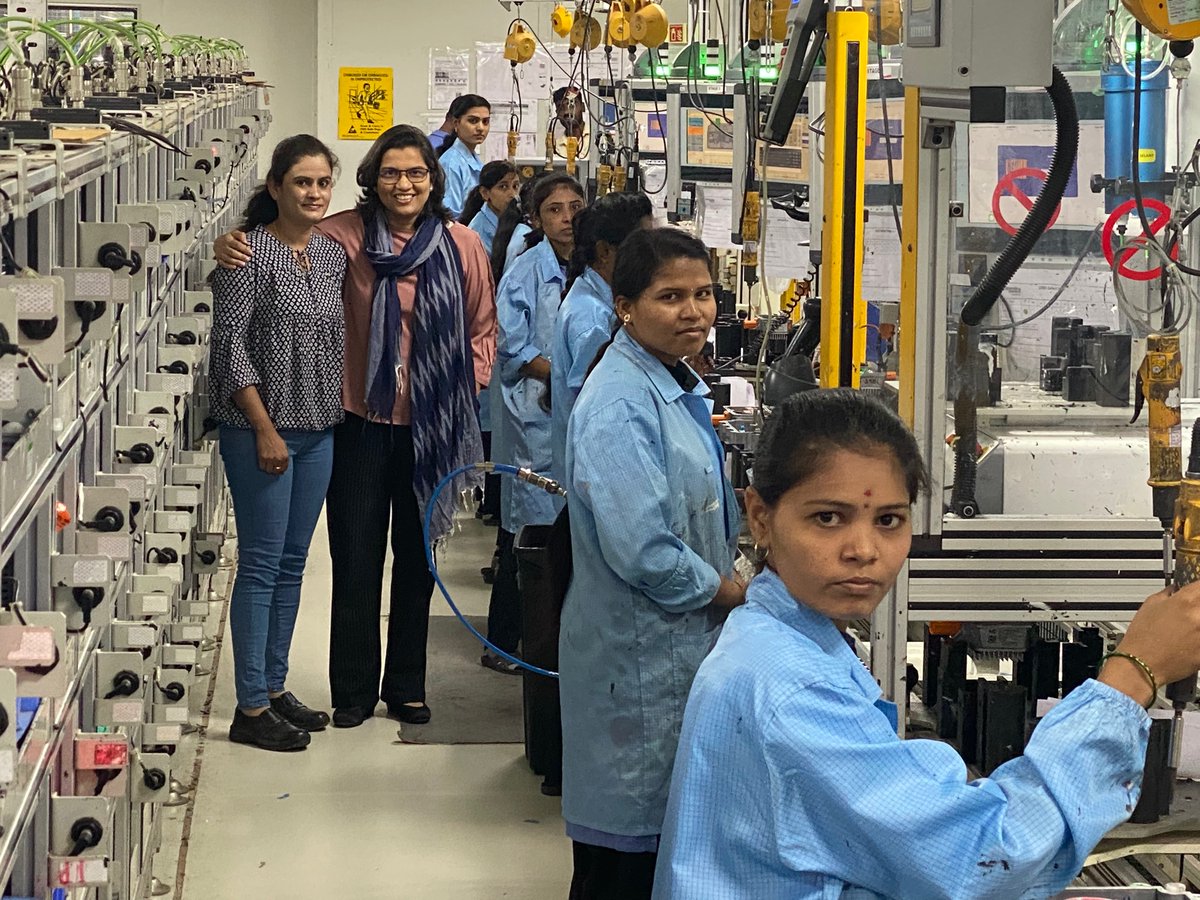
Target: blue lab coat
column 586, row 321
column 654, row 525
column 791, row 782
column 462, row 168
column 526, row 305
column 484, row 224
column 516, row 244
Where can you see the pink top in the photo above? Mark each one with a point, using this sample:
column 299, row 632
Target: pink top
column 358, row 292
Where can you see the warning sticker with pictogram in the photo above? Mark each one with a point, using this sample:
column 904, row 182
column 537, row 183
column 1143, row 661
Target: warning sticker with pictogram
column 364, row 103
column 1131, row 247
column 1010, row 187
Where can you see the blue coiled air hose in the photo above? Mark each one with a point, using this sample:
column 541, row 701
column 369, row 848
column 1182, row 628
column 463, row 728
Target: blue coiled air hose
column 525, row 475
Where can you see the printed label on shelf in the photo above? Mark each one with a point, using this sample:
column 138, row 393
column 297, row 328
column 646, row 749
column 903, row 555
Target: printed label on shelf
column 127, row 712
column 81, row 871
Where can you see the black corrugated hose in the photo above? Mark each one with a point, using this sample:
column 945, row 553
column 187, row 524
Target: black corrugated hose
column 1066, row 151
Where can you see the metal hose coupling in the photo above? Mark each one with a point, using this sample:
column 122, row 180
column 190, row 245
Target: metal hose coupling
column 549, row 485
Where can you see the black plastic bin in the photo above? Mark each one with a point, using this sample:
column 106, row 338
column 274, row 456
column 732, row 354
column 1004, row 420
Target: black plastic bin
column 539, row 640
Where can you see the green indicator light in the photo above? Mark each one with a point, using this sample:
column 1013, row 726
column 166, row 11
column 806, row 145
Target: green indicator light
column 712, row 71
column 769, row 73
column 662, row 71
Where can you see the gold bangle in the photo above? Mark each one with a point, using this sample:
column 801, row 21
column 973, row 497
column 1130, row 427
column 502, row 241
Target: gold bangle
column 1141, row 664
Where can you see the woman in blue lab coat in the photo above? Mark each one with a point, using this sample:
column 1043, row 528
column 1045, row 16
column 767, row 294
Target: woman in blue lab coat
column 790, row 780
column 499, row 182
column 527, row 302
column 654, row 525
column 458, row 155
column 587, row 318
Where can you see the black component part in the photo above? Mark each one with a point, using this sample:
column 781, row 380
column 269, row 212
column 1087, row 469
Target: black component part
column 1081, row 659
column 154, row 779
column 108, row 518
column 139, row 454
column 720, row 392
column 66, row 115
column 114, row 103
column 989, row 104
column 730, row 337
column 1181, row 49
column 540, row 612
column 1002, row 708
column 135, row 260
column 202, row 308
column 3, row 720
column 31, row 130
column 1113, row 368
column 164, row 555
column 207, row 557
column 952, row 675
column 204, row 165
column 1037, row 670
column 1054, row 368
column 38, row 329
column 931, row 663
column 160, row 411
column 86, row 833
column 1193, row 462
column 1079, row 385
column 1157, row 778
column 178, row 367
column 967, row 734
column 173, row 691
column 184, row 338
column 911, row 678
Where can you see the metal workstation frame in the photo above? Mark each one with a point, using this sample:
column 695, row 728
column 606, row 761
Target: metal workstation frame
column 86, row 765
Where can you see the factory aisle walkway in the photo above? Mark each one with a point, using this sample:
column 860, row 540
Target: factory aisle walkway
column 359, row 814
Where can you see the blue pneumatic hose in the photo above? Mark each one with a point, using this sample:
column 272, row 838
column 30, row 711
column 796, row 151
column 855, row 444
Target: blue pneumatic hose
column 525, row 475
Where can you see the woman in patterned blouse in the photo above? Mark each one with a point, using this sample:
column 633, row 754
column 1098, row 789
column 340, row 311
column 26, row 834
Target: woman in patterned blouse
column 276, row 381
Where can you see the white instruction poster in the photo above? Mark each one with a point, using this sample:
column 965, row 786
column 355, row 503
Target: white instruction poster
column 449, row 76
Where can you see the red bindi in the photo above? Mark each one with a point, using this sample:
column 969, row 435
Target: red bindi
column 867, row 494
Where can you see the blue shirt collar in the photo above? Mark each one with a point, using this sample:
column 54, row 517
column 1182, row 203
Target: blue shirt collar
column 597, row 285
column 663, row 381
column 768, row 591
column 461, row 149
column 546, row 260
column 488, row 216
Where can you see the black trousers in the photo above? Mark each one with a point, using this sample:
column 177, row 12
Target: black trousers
column 370, row 490
column 604, row 874
column 491, row 483
column 504, row 608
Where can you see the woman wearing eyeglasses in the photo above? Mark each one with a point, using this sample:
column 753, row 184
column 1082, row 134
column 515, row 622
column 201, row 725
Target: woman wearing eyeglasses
column 420, row 339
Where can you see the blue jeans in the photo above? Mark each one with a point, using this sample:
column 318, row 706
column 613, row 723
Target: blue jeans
column 276, row 516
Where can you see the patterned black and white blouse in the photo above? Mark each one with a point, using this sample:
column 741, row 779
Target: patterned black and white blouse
column 281, row 326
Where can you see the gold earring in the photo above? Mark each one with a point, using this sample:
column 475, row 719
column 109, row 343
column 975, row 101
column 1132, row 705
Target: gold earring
column 627, row 318
column 761, row 553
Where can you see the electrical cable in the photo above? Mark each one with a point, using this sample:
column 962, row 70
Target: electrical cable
column 887, row 132
column 499, row 469
column 1095, row 233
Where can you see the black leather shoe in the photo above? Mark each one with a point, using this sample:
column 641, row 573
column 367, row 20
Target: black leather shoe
column 411, row 715
column 267, row 730
column 298, row 714
column 351, row 716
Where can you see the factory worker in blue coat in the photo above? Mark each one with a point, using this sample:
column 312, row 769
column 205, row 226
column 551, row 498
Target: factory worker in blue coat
column 527, row 303
column 459, row 155
column 654, row 524
column 791, row 781
column 587, row 318
column 499, row 182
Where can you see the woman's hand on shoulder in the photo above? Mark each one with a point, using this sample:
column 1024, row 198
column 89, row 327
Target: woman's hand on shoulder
column 231, row 250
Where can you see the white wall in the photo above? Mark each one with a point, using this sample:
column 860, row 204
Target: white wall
column 280, row 37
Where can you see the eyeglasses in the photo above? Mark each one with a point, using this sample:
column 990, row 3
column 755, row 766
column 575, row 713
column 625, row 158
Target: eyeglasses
column 391, row 176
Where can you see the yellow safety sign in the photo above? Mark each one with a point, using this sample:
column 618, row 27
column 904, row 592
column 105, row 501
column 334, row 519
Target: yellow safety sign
column 364, row 103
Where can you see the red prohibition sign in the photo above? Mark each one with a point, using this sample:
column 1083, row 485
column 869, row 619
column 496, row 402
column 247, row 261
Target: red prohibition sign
column 1127, row 252
column 1008, row 185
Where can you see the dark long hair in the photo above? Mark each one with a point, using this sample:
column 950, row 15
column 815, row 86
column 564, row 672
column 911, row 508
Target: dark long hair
column 493, row 173
column 459, row 108
column 539, row 194
column 262, row 208
column 639, row 259
column 803, row 431
column 612, row 218
column 399, row 137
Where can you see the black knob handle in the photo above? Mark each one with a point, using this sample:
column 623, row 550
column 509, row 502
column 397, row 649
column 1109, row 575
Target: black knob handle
column 3, row 720
column 154, row 779
column 202, row 308
column 112, row 256
column 164, row 554
column 86, row 833
column 183, row 338
column 108, row 518
column 173, row 691
column 125, row 684
column 38, row 329
column 139, row 454
column 208, row 557
column 178, row 367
